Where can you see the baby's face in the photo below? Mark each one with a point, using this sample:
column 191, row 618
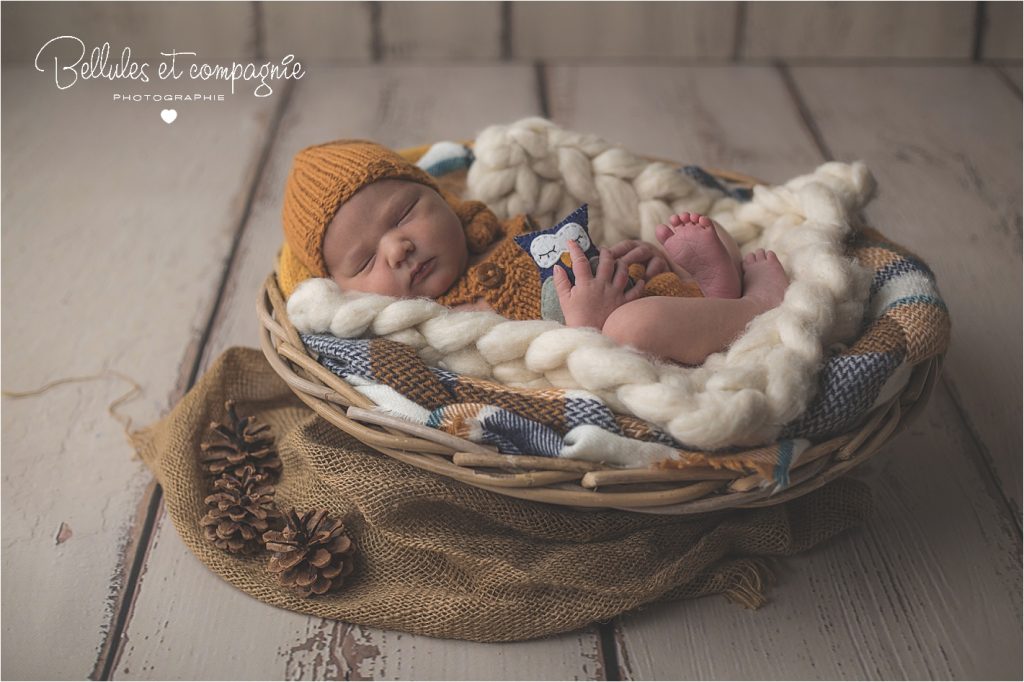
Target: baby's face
column 397, row 238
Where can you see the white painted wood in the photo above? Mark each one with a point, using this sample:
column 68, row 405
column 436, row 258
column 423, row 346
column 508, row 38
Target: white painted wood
column 115, row 229
column 216, row 31
column 549, row 30
column 876, row 30
column 931, row 588
column 945, row 146
column 186, row 622
column 440, row 30
column 1001, row 32
column 737, row 117
column 317, row 32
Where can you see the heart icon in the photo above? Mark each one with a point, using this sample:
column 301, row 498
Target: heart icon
column 168, row 115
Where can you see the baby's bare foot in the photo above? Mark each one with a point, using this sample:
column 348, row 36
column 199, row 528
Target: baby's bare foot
column 693, row 244
column 764, row 280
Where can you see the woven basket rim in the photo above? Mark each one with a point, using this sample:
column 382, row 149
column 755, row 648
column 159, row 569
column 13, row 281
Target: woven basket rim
column 575, row 483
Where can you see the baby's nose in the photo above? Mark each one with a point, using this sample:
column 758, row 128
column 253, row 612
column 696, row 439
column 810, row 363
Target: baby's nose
column 398, row 249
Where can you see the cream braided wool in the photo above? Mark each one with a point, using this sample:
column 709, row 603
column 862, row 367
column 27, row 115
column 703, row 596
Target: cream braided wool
column 741, row 396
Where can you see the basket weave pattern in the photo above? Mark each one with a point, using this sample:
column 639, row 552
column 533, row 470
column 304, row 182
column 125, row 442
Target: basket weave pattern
column 688, row 489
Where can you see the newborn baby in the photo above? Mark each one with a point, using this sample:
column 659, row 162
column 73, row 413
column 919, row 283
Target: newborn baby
column 363, row 216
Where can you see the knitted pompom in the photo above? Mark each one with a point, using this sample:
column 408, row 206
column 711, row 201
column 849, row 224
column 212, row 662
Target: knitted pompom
column 481, row 227
column 312, row 305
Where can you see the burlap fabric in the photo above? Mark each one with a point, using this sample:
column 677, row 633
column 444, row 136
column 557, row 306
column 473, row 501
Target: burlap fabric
column 439, row 558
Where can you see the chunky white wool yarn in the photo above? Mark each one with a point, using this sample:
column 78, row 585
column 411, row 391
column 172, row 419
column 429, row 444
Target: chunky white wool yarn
column 741, row 396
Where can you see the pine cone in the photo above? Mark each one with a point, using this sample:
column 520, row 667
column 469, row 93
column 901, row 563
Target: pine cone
column 237, row 444
column 312, row 555
column 241, row 510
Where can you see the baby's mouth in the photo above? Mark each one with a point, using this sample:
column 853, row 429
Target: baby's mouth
column 421, row 271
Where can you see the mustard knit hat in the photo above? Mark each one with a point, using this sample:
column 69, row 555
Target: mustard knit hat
column 324, row 176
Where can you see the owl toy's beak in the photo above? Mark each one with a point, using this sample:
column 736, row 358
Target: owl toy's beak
column 566, row 259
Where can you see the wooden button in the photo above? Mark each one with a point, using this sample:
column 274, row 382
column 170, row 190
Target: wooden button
column 489, row 275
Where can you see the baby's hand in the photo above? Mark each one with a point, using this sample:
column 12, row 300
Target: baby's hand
column 595, row 295
column 632, row 251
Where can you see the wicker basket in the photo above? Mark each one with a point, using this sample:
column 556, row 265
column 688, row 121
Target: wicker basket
column 574, row 483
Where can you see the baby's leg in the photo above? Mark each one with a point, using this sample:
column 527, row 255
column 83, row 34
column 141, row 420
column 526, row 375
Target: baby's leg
column 688, row 330
column 704, row 250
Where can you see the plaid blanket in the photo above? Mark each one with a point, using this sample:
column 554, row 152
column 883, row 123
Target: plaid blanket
column 906, row 322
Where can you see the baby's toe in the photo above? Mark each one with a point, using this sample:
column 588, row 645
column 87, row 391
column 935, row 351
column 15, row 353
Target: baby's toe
column 663, row 232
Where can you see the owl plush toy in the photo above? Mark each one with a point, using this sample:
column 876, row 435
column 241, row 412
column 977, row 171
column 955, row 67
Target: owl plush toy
column 549, row 249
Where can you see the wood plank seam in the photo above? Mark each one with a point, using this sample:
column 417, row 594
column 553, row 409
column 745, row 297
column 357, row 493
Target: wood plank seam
column 979, row 30
column 259, row 36
column 981, row 457
column 113, row 646
column 540, row 71
column 161, row 633
column 1005, row 78
column 983, row 461
column 876, row 621
column 505, row 30
column 139, row 550
column 609, row 651
column 376, row 34
column 739, row 29
column 863, row 61
column 805, row 113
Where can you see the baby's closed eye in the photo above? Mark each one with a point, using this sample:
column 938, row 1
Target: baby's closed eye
column 408, row 210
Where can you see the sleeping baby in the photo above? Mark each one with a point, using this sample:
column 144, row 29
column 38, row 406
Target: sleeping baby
column 363, row 216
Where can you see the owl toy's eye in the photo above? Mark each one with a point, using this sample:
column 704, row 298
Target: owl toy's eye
column 545, row 250
column 573, row 232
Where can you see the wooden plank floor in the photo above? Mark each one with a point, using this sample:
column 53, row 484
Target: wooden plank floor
column 398, row 107
column 708, row 114
column 930, row 588
column 116, row 229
